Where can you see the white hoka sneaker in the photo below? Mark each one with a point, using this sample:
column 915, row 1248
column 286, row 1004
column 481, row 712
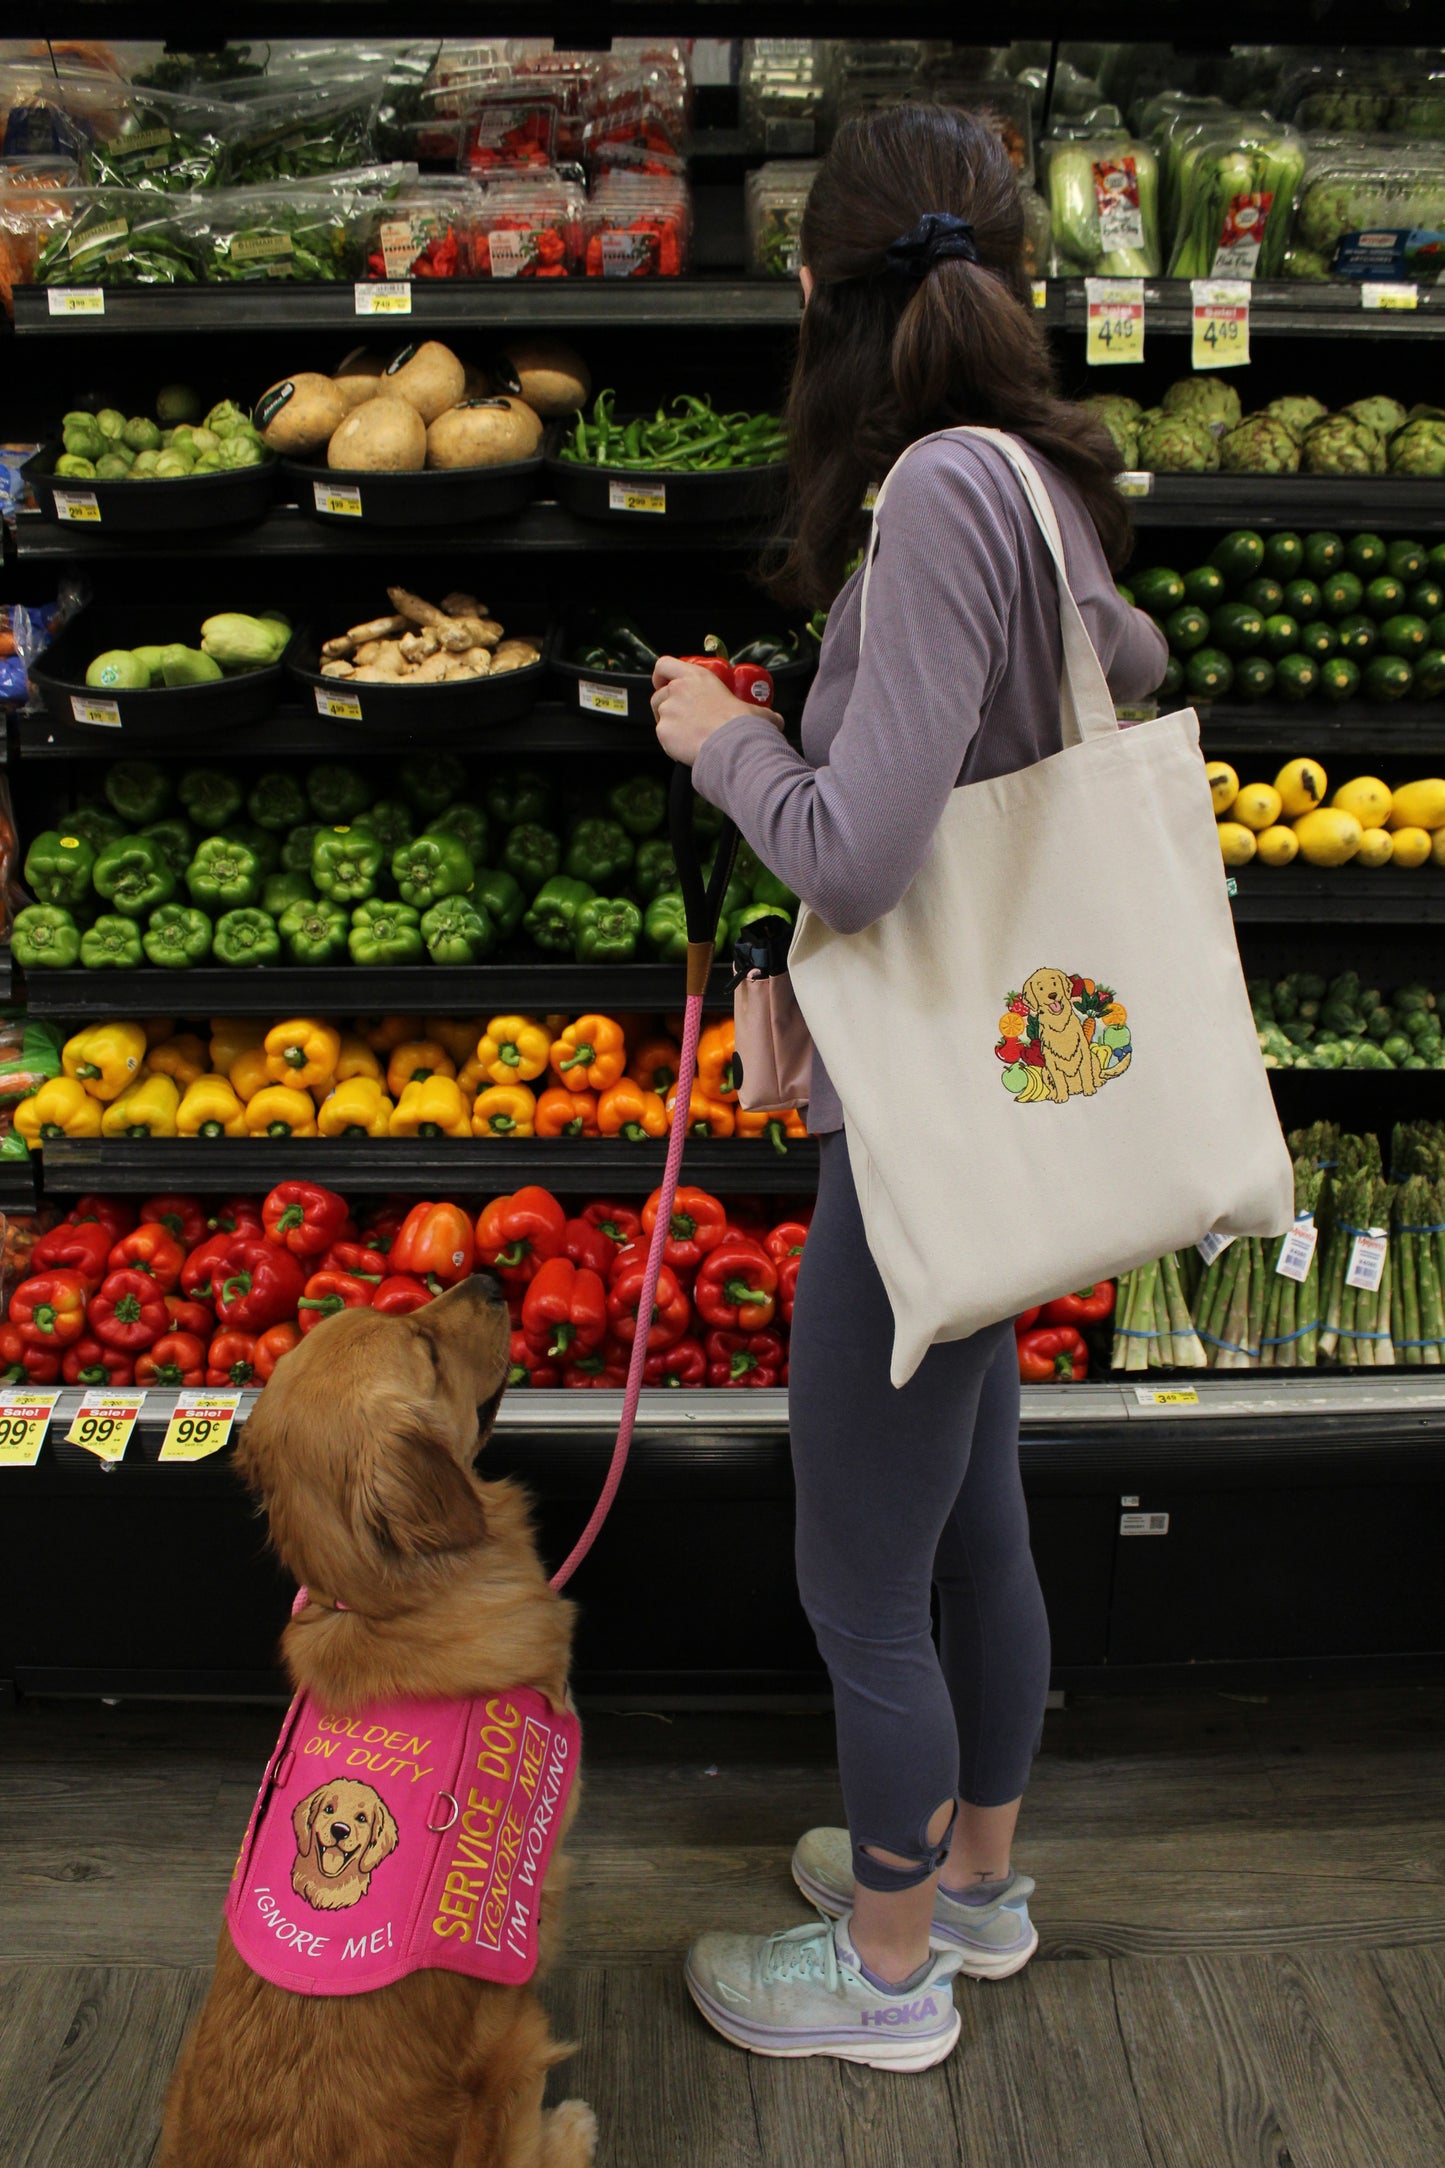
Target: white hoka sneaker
column 994, row 1940
column 803, row 1992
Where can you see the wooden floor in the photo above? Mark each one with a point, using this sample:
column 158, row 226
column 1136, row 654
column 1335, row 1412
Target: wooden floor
column 1241, row 1902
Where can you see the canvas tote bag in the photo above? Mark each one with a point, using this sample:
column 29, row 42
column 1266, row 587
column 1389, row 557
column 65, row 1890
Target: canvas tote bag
column 1064, row 976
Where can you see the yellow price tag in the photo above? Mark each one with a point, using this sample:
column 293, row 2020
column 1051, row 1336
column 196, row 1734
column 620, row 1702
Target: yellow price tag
column 78, row 300
column 1389, row 294
column 339, row 498
column 200, row 1425
column 386, row 297
column 602, row 699
column 341, row 707
column 78, row 506
column 103, row 1423
column 622, row 497
column 1183, row 1396
column 1221, row 323
column 102, row 714
column 1115, row 324
column 24, row 1420
column 1040, row 291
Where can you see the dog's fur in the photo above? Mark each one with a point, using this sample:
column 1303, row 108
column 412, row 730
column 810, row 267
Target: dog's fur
column 343, row 1833
column 360, row 1450
column 1068, row 1056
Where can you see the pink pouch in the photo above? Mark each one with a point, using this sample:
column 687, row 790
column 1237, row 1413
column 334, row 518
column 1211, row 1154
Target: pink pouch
column 774, row 1046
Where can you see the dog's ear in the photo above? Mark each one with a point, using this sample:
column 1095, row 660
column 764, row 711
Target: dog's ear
column 384, row 1838
column 1031, row 994
column 415, row 1498
column 301, row 1818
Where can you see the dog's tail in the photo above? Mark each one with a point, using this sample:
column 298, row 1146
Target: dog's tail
column 1117, row 1068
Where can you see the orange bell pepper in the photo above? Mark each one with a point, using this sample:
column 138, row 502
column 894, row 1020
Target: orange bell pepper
column 774, row 1123
column 627, row 1110
column 436, row 1242
column 590, row 1054
column 566, row 1114
column 656, row 1064
column 705, row 1117
column 716, row 1061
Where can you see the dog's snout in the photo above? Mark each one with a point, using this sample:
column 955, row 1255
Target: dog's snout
column 340, row 1831
column 485, row 1287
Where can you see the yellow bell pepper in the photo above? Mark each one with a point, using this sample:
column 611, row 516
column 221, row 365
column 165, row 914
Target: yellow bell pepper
column 357, row 1108
column 432, row 1107
column 459, row 1035
column 61, row 1108
column 472, row 1076
column 146, row 1108
column 302, row 1051
column 514, row 1049
column 505, row 1110
column 158, row 1028
column 105, row 1058
column 232, row 1036
column 385, row 1032
column 185, row 1057
column 210, row 1108
column 249, row 1074
column 413, row 1062
column 280, row 1110
column 356, row 1059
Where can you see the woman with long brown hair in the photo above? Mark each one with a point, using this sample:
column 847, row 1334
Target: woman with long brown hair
column 917, row 319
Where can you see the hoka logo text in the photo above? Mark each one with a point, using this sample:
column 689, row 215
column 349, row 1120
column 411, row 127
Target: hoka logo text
column 903, row 2013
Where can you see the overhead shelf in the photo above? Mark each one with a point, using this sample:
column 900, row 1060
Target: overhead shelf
column 1406, row 731
column 353, row 990
column 549, row 728
column 1344, row 895
column 1393, row 504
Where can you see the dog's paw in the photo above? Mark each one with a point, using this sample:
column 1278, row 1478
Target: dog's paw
column 571, row 2135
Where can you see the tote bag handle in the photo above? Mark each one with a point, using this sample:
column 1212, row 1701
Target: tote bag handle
column 1086, row 707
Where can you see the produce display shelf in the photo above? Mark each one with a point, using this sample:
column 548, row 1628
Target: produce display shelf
column 7, row 976
column 551, row 727
column 1393, row 504
column 1406, row 731
column 1292, row 307
column 446, row 1165
column 18, row 1179
column 1338, row 895
column 351, row 990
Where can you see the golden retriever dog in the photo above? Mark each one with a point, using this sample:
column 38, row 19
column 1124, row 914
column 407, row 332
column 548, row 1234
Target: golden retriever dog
column 423, row 1581
column 343, row 1833
column 1068, row 1057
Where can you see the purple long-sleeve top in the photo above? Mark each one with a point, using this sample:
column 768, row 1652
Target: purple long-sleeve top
column 958, row 681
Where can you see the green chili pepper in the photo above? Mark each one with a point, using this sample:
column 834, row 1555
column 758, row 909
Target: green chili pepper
column 297, row 848
column 655, row 868
column 665, row 926
column 111, row 944
column 247, row 937
column 639, row 803
column 44, row 937
column 177, row 936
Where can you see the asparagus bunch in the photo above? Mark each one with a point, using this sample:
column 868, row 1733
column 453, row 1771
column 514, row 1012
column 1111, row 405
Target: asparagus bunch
column 1364, row 1201
column 1417, row 1250
column 1292, row 1307
column 1229, row 1306
column 1153, row 1329
column 1354, row 1171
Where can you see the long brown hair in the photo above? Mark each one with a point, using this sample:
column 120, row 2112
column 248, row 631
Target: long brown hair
column 883, row 360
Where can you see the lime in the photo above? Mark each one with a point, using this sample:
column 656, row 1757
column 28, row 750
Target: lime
column 1406, row 560
column 1254, row 677
column 1429, row 674
column 1239, row 556
column 1357, row 636
column 1236, row 628
column 1339, row 679
column 1208, row 674
column 1204, row 587
column 1367, row 555
column 1384, row 598
column 1407, row 636
column 1426, row 598
column 1324, row 553
column 1296, row 676
column 1302, row 599
column 1264, row 595
column 1318, row 639
column 1172, row 682
column 1387, row 677
column 1435, row 561
column 1281, row 636
column 1284, row 556
column 1341, row 593
column 1186, row 629
column 1158, row 590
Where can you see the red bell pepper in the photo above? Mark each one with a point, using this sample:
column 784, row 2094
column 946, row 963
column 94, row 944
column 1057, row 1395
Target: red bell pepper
column 435, row 1241
column 743, row 1358
column 113, row 1213
column 517, row 1234
column 231, row 1359
column 383, row 1226
column 304, row 1218
column 565, row 1309
column 355, row 1257
column 271, row 1345
column 26, row 1365
column 588, row 1246
column 699, row 1224
column 788, row 1270
column 183, row 1217
column 1051, row 1353
column 1088, row 1306
column 399, row 1294
column 188, row 1316
column 83, row 1248
column 671, row 1310
column 152, row 1250
column 618, row 1222
column 128, row 1311
column 787, row 1239
column 178, row 1358
column 529, row 1368
column 737, row 1286
column 327, row 1292
column 682, row 1364
column 49, row 1310
column 91, row 1362
column 256, row 1283
column 1026, row 1318
column 601, row 1371
column 235, row 1213
column 12, row 1355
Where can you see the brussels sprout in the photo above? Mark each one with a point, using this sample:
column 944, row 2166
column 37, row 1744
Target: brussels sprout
column 1340, row 445
column 1382, row 415
column 110, row 422
column 110, row 469
column 1418, row 448
column 226, row 417
column 239, row 451
column 145, row 466
column 1178, row 444
column 74, row 468
column 1260, row 445
column 141, row 435
column 1298, row 412
column 1208, row 399
column 170, row 466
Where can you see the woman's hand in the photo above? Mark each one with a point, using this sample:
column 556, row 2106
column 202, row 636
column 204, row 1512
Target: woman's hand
column 690, row 704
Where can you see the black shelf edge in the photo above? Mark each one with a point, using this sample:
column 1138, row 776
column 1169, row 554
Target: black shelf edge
column 550, row 727
column 1395, row 504
column 1344, row 895
column 18, row 1184
column 1279, row 307
column 449, row 1166
column 351, row 990
column 1404, row 732
column 7, row 974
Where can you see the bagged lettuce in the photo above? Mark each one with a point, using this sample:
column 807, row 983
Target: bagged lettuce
column 1103, row 199
column 1238, row 179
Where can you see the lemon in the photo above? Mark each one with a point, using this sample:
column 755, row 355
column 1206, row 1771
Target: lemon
column 1437, row 847
column 1258, row 806
column 1367, row 798
column 1277, row 846
column 1377, row 848
column 1223, row 785
column 1301, row 785
column 1419, row 805
column 1328, row 837
column 1412, row 846
column 1236, row 843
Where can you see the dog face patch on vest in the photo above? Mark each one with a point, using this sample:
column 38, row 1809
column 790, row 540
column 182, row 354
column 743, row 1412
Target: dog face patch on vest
column 1063, row 1036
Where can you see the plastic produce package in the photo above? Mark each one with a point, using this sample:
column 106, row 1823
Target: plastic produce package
column 568, row 81
column 313, row 122
column 774, row 200
column 782, row 93
column 1103, row 201
column 1003, row 105
column 1370, row 210
column 164, row 142
column 637, row 227
column 1365, row 93
column 118, row 237
column 507, row 130
column 528, row 226
column 1238, row 177
column 42, row 107
column 427, row 231
column 639, row 112
column 307, row 235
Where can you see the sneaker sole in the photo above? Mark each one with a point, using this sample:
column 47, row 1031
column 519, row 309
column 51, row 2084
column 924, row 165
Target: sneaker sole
column 977, row 1964
column 903, row 2056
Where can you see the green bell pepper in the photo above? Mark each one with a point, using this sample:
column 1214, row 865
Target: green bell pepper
column 281, row 890
column 45, row 938
column 531, row 855
column 519, row 798
column 385, row 933
column 767, row 888
column 177, row 936
column 337, row 793
column 393, row 824
column 96, row 824
column 132, row 874
column 315, row 933
column 112, row 944
column 501, row 896
column 552, row 920
column 432, row 780
column 599, row 851
column 470, row 823
column 277, row 802
column 345, row 862
column 58, row 867
column 752, row 912
column 707, row 820
column 176, row 841
column 432, row 867
column 297, row 848
column 263, row 846
column 212, row 798
column 665, row 926
column 138, row 791
column 606, row 931
column 224, row 875
column 639, row 803
column 247, row 937
column 457, row 931
column 655, row 868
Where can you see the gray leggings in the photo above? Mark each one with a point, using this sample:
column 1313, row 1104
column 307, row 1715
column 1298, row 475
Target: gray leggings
column 900, row 1489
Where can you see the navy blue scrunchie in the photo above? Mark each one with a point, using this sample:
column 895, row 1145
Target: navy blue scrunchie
column 938, row 234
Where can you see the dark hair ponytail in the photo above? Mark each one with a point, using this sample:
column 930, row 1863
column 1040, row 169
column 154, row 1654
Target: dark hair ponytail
column 884, row 360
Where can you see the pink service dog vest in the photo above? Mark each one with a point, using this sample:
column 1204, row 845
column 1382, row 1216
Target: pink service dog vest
column 414, row 1834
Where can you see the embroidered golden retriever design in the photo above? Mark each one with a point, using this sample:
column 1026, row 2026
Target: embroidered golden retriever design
column 344, row 1831
column 1061, row 1036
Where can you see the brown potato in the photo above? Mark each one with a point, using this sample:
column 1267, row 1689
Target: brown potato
column 483, row 433
column 385, row 436
column 551, row 376
column 299, row 414
column 359, row 376
column 429, row 377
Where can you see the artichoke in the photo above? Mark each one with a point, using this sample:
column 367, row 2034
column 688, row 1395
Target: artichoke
column 1298, row 411
column 1339, row 445
column 1418, row 448
column 1305, row 263
column 1207, row 399
column 1382, row 415
column 1260, row 445
column 1178, row 444
column 1120, row 416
